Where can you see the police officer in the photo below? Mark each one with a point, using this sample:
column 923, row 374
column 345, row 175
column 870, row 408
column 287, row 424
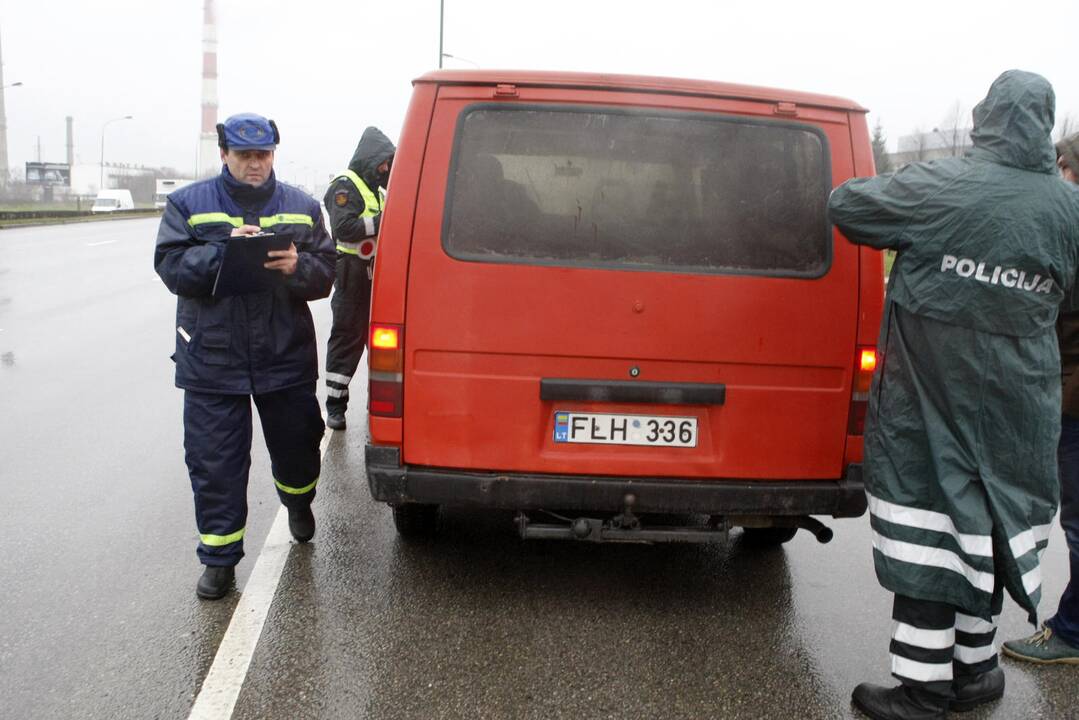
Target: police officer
column 1057, row 642
column 259, row 345
column 964, row 415
column 354, row 201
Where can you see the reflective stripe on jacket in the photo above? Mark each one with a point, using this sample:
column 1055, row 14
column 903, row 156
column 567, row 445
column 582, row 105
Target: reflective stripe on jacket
column 372, row 208
column 244, row 344
column 964, row 413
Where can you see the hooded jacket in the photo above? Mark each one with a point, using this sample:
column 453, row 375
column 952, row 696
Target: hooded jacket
column 344, row 203
column 244, row 344
column 964, row 413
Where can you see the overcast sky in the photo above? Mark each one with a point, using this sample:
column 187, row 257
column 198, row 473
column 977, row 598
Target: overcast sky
column 325, row 69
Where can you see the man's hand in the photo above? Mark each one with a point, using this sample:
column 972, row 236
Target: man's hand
column 246, row 230
column 286, row 261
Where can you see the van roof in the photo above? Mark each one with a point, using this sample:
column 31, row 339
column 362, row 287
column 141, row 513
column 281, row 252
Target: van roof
column 644, row 83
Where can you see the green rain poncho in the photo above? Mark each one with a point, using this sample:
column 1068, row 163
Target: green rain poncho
column 964, row 413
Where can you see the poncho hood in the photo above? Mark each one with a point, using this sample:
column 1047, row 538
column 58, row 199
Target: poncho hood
column 1013, row 123
column 374, row 149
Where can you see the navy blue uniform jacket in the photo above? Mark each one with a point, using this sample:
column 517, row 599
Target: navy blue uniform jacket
column 246, row 344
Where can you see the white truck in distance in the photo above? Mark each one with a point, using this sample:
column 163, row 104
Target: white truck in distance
column 164, row 187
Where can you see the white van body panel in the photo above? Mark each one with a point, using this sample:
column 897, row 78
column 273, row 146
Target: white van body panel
column 113, row 201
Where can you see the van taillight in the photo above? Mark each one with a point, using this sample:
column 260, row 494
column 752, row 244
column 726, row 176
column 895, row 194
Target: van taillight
column 386, row 364
column 864, row 365
column 867, row 362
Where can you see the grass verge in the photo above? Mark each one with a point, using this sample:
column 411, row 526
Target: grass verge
column 31, row 222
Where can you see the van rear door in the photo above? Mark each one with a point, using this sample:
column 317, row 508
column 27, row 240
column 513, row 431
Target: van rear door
column 618, row 239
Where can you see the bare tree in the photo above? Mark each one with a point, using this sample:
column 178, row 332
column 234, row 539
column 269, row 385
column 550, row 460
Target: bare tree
column 1067, row 126
column 921, row 146
column 954, row 131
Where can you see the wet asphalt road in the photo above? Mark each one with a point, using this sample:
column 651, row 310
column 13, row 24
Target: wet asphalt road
column 98, row 617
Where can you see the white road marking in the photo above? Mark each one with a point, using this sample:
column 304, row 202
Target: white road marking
column 103, row 242
column 217, row 698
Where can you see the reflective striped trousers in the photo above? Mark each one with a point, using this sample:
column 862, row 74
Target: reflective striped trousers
column 217, row 444
column 933, row 643
column 351, row 306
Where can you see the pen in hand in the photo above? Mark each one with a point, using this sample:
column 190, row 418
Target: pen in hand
column 285, row 261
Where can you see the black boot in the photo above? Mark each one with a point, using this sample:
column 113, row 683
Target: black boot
column 899, row 703
column 974, row 690
column 216, row 581
column 301, row 523
column 335, row 420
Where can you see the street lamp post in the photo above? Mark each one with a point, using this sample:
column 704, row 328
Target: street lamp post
column 462, row 59
column 101, row 179
column 3, row 133
column 442, row 54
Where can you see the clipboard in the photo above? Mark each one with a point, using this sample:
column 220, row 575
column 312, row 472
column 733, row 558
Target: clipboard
column 241, row 271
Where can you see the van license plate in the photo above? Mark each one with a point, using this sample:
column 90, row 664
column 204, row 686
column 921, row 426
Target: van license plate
column 606, row 429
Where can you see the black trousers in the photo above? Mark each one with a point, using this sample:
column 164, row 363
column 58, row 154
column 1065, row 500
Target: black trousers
column 933, row 643
column 351, row 306
column 217, row 444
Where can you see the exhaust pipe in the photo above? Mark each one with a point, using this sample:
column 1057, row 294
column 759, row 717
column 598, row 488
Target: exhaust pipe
column 822, row 532
column 819, row 530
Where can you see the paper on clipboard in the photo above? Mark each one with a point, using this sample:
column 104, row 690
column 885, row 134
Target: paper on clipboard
column 242, row 270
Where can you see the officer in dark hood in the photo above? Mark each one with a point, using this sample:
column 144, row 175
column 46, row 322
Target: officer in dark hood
column 964, row 413
column 354, row 201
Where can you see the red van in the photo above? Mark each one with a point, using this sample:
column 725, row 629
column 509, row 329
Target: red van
column 600, row 300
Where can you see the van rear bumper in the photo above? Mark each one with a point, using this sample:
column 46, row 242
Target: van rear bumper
column 393, row 483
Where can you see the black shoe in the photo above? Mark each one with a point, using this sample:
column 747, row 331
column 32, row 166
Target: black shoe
column 216, row 581
column 899, row 703
column 974, row 690
column 301, row 523
column 335, row 421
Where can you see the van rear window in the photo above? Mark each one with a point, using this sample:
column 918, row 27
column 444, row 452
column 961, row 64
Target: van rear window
column 604, row 187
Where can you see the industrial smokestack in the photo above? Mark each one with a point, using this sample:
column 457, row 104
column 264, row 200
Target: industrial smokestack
column 209, row 162
column 70, row 140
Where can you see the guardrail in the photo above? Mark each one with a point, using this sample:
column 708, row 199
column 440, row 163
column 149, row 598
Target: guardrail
column 53, row 214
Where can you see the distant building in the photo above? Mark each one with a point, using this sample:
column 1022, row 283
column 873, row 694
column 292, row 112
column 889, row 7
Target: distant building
column 85, row 181
column 931, row 146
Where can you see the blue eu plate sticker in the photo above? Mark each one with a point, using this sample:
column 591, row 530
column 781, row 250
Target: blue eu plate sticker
column 561, row 427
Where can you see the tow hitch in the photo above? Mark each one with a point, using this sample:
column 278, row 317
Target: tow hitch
column 625, row 528
column 628, row 528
